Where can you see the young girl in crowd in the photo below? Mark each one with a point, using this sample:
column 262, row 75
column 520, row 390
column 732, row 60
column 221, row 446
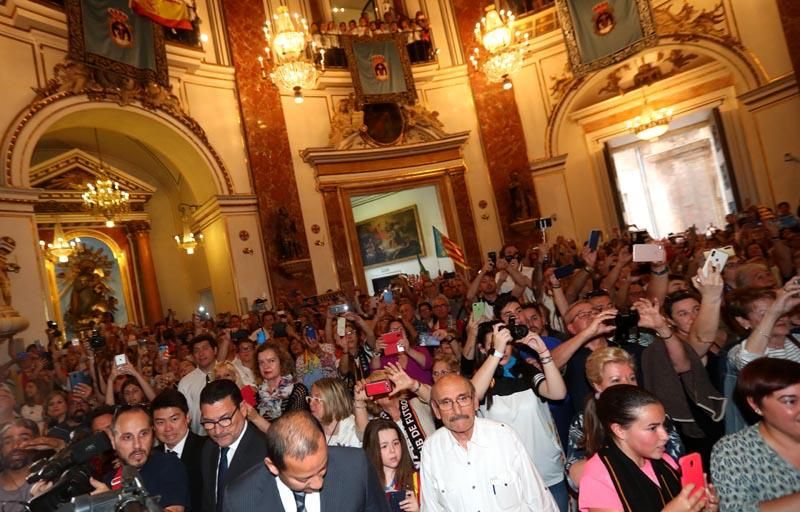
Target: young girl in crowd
column 386, row 450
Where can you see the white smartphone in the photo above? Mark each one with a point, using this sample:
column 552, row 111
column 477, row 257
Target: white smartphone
column 648, row 252
column 341, row 324
column 717, row 258
column 120, row 360
column 728, row 249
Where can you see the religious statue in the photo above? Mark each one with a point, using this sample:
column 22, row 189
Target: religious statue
column 88, row 279
column 346, row 121
column 11, row 322
column 286, row 228
column 521, row 206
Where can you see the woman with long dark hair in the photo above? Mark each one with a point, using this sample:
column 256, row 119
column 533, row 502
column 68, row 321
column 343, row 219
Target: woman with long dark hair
column 386, row 450
column 629, row 470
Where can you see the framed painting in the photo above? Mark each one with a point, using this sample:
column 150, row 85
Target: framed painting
column 380, row 68
column 390, row 237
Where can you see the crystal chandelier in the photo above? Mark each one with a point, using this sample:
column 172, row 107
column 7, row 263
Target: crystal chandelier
column 188, row 241
column 104, row 197
column 60, row 249
column 650, row 124
column 504, row 56
column 287, row 38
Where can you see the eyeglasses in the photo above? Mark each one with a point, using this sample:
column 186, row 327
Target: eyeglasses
column 462, row 401
column 223, row 422
column 510, row 257
column 583, row 315
column 442, row 373
column 317, row 399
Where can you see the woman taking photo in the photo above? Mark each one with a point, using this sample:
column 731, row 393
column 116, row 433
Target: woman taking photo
column 629, row 470
column 415, row 361
column 386, row 450
column 758, row 468
column 332, row 404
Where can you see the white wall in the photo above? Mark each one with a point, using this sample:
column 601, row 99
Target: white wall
column 430, row 214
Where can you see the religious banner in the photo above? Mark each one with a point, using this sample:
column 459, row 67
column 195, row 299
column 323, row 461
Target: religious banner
column 381, row 69
column 599, row 33
column 108, row 35
column 167, row 13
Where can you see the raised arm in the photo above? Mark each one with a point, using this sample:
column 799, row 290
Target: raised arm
column 651, row 318
column 553, row 386
column 704, row 329
column 483, row 377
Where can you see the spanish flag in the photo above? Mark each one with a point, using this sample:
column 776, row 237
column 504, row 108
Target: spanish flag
column 168, row 13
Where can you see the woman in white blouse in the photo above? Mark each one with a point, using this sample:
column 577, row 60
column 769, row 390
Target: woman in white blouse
column 332, row 405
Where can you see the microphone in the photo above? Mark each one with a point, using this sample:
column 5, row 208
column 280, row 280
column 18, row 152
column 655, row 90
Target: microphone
column 76, row 453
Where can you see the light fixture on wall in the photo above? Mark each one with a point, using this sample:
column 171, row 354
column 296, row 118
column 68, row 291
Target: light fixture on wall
column 60, row 249
column 287, row 38
column 651, row 123
column 104, row 198
column 188, row 241
column 503, row 53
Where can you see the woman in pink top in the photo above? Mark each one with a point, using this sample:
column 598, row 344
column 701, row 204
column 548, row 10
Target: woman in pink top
column 629, row 470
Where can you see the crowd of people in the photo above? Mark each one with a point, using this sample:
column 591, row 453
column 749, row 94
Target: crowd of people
column 564, row 377
column 327, row 36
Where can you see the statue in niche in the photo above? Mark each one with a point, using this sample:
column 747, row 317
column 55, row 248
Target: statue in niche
column 288, row 245
column 88, row 276
column 11, row 322
column 521, row 205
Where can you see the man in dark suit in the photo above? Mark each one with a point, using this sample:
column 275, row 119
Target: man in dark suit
column 303, row 474
column 235, row 444
column 171, row 421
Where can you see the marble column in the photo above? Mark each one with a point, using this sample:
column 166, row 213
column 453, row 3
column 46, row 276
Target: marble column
column 790, row 19
column 147, row 272
column 500, row 124
column 267, row 143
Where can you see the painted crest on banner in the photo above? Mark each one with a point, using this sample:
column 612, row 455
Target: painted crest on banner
column 379, row 67
column 119, row 29
column 603, row 19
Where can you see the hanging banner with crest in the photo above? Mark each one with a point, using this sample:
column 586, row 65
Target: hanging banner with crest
column 109, row 36
column 599, row 33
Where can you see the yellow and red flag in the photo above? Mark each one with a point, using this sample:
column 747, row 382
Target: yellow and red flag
column 168, row 13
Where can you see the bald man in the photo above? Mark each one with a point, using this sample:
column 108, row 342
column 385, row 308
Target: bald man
column 302, row 473
column 475, row 463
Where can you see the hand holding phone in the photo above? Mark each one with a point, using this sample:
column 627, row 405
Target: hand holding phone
column 378, row 388
column 478, row 310
column 717, row 259
column 391, row 340
column 692, row 471
column 341, row 324
column 120, row 360
column 648, row 252
column 594, row 239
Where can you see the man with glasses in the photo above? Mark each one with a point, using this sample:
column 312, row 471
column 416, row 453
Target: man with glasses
column 161, row 474
column 511, row 273
column 236, row 444
column 476, row 463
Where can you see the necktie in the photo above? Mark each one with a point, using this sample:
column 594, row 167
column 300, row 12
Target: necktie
column 221, row 470
column 208, row 379
column 300, row 501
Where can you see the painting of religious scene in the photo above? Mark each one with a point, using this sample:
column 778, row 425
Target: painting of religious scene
column 390, row 237
column 90, row 284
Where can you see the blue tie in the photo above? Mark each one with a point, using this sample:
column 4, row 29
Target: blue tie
column 300, row 501
column 221, row 470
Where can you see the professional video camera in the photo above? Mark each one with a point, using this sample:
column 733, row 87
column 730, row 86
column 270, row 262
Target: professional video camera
column 133, row 497
column 69, row 470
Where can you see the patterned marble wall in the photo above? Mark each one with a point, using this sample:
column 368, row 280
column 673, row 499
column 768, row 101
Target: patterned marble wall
column 267, row 143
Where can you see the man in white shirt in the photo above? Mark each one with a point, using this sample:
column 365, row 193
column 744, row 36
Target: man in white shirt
column 204, row 352
column 476, row 464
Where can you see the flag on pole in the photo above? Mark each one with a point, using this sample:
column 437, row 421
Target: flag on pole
column 423, row 272
column 446, row 248
column 168, row 13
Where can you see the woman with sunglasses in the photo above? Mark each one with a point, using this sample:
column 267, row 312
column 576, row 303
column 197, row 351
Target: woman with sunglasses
column 332, row 405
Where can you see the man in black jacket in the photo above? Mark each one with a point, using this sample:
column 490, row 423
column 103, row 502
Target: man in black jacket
column 235, row 444
column 171, row 421
column 303, row 473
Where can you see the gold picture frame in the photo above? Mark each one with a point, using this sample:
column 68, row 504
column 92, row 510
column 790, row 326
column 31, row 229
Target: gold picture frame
column 356, row 46
column 390, row 237
column 581, row 67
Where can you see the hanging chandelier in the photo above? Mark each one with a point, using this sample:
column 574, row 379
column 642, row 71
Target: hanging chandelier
column 188, row 241
column 287, row 38
column 60, row 249
column 104, row 198
column 504, row 55
column 651, row 123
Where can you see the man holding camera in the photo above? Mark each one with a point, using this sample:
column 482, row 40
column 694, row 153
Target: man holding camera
column 161, row 474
